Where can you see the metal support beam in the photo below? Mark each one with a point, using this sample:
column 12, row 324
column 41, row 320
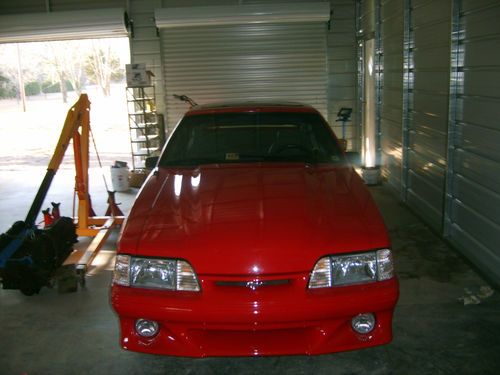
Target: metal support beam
column 456, row 85
column 408, row 82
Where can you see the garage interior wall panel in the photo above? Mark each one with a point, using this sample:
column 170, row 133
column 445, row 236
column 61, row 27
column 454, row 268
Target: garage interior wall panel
column 245, row 62
column 391, row 109
column 342, row 70
column 368, row 18
column 427, row 136
column 145, row 46
column 473, row 222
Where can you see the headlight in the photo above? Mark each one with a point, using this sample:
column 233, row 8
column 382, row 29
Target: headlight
column 352, row 269
column 171, row 274
column 153, row 273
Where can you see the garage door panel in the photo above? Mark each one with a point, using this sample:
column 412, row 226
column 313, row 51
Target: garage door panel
column 341, row 79
column 474, row 5
column 343, row 10
column 391, row 146
column 477, row 168
column 392, row 83
column 391, row 8
column 258, row 71
column 428, row 147
column 429, row 213
column 430, row 103
column 341, row 93
column 394, row 54
column 393, row 98
column 341, row 39
column 248, row 62
column 478, row 226
column 477, row 198
column 427, row 192
column 392, row 29
column 480, row 111
column 438, row 81
column 431, row 172
column 479, row 140
column 485, row 258
column 345, row 53
column 483, row 23
column 425, row 36
column 482, row 82
column 427, row 12
column 430, row 120
column 476, row 56
column 435, row 58
column 393, row 115
column 393, row 170
column 473, row 221
column 341, row 66
column 393, row 63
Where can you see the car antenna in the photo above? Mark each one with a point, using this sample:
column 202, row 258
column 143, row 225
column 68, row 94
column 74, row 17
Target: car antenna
column 186, row 99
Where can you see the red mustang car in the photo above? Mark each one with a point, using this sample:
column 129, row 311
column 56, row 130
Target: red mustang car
column 253, row 236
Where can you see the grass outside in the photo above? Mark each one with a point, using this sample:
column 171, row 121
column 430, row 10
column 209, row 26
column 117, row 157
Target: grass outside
column 28, row 139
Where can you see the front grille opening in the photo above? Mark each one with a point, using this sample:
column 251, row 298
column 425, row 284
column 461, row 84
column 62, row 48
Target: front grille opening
column 252, row 284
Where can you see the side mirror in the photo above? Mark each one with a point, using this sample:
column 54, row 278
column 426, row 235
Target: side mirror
column 354, row 158
column 151, row 162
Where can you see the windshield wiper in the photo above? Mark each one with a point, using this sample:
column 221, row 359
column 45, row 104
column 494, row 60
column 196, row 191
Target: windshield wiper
column 190, row 162
column 292, row 159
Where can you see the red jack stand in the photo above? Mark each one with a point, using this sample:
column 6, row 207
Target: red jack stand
column 113, row 209
column 48, row 219
column 56, row 212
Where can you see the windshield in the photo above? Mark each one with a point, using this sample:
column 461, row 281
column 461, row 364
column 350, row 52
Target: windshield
column 247, row 137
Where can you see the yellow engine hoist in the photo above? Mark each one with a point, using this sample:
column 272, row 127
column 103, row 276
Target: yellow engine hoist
column 30, row 256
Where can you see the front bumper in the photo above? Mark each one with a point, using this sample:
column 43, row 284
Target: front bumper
column 280, row 319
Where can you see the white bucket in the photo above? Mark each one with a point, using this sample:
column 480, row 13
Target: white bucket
column 119, row 179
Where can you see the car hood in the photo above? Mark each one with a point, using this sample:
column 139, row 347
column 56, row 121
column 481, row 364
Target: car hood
column 253, row 219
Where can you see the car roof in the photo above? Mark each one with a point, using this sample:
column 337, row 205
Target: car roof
column 250, row 106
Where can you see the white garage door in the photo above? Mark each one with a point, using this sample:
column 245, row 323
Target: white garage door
column 245, row 61
column 65, row 25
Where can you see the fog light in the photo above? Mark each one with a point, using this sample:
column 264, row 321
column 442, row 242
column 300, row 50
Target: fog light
column 146, row 328
column 363, row 323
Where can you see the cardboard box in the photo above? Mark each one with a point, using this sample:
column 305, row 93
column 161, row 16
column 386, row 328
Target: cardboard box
column 137, row 75
column 138, row 79
column 129, row 68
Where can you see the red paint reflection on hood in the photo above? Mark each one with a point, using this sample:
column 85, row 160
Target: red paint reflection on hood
column 239, row 219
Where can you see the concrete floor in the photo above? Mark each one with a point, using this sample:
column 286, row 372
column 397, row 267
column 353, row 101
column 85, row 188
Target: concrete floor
column 77, row 333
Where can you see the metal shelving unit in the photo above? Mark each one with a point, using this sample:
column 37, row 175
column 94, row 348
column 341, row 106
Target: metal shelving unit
column 147, row 131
